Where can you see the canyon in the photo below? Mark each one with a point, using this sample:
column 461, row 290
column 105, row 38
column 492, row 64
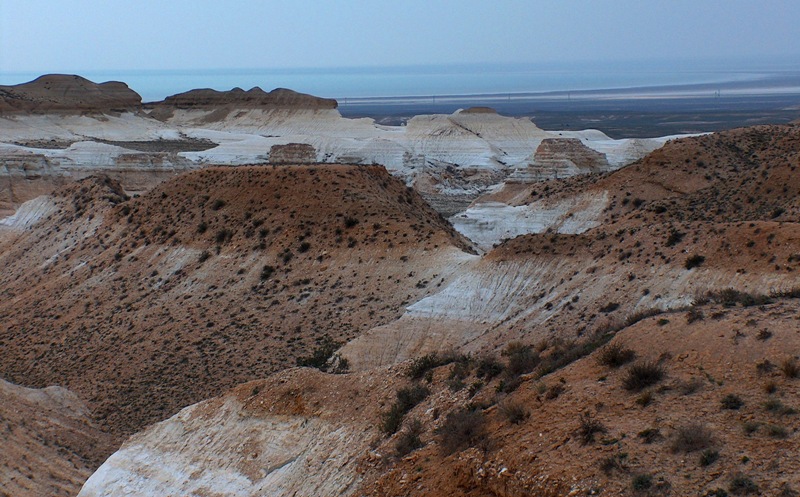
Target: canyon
column 244, row 293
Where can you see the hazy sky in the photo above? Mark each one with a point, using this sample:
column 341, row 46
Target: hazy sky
column 92, row 35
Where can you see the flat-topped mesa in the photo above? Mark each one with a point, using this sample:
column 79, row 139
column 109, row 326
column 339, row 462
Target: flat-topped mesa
column 70, row 94
column 478, row 110
column 253, row 98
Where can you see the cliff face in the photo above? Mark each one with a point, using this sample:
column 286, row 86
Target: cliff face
column 67, row 94
column 50, row 446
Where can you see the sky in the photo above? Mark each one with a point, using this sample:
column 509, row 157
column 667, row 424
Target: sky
column 101, row 35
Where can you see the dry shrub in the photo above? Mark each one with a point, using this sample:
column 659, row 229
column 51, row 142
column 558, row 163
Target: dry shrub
column 690, row 438
column 461, row 429
column 642, row 375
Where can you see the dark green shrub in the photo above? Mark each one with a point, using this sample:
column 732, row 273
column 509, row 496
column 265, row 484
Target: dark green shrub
column 218, row 204
column 641, row 375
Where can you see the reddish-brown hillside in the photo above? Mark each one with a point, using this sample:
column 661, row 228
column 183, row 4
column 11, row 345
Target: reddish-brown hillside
column 212, row 279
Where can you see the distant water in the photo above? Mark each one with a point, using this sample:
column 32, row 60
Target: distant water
column 343, row 83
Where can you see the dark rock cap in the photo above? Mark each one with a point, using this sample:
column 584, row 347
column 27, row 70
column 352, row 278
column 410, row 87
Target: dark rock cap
column 64, row 93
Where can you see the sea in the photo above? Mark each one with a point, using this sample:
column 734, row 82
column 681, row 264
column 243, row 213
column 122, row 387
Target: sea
column 349, row 84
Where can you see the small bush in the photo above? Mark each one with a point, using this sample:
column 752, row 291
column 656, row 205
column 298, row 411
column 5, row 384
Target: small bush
column 554, row 390
column 350, row 222
column 694, row 315
column 645, row 399
column 421, row 365
column 694, row 261
column 461, row 429
column 731, row 401
column 642, row 375
column 304, row 246
column 642, row 482
column 218, row 204
column 615, row 355
column 650, row 435
column 691, row 438
column 407, row 398
column 674, row 238
column 730, row 297
column 790, row 368
column 708, row 457
column 267, row 272
column 776, row 406
column 522, row 359
column 320, row 356
column 691, row 386
column 202, row 227
column 223, row 235
column 204, row 256
column 514, row 412
column 742, row 485
column 750, row 427
column 409, row 440
column 488, row 368
column 776, row 431
column 612, row 463
column 589, row 427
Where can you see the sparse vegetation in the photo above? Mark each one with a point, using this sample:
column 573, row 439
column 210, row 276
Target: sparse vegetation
column 322, row 357
column 742, row 485
column 407, row 399
column 690, row 438
column 694, row 261
column 643, row 374
column 790, row 368
column 615, row 355
column 514, row 412
column 461, row 429
column 708, row 457
column 421, row 365
column 731, row 401
column 588, row 428
column 409, row 439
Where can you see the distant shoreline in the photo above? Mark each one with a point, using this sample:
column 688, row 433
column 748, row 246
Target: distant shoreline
column 636, row 112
